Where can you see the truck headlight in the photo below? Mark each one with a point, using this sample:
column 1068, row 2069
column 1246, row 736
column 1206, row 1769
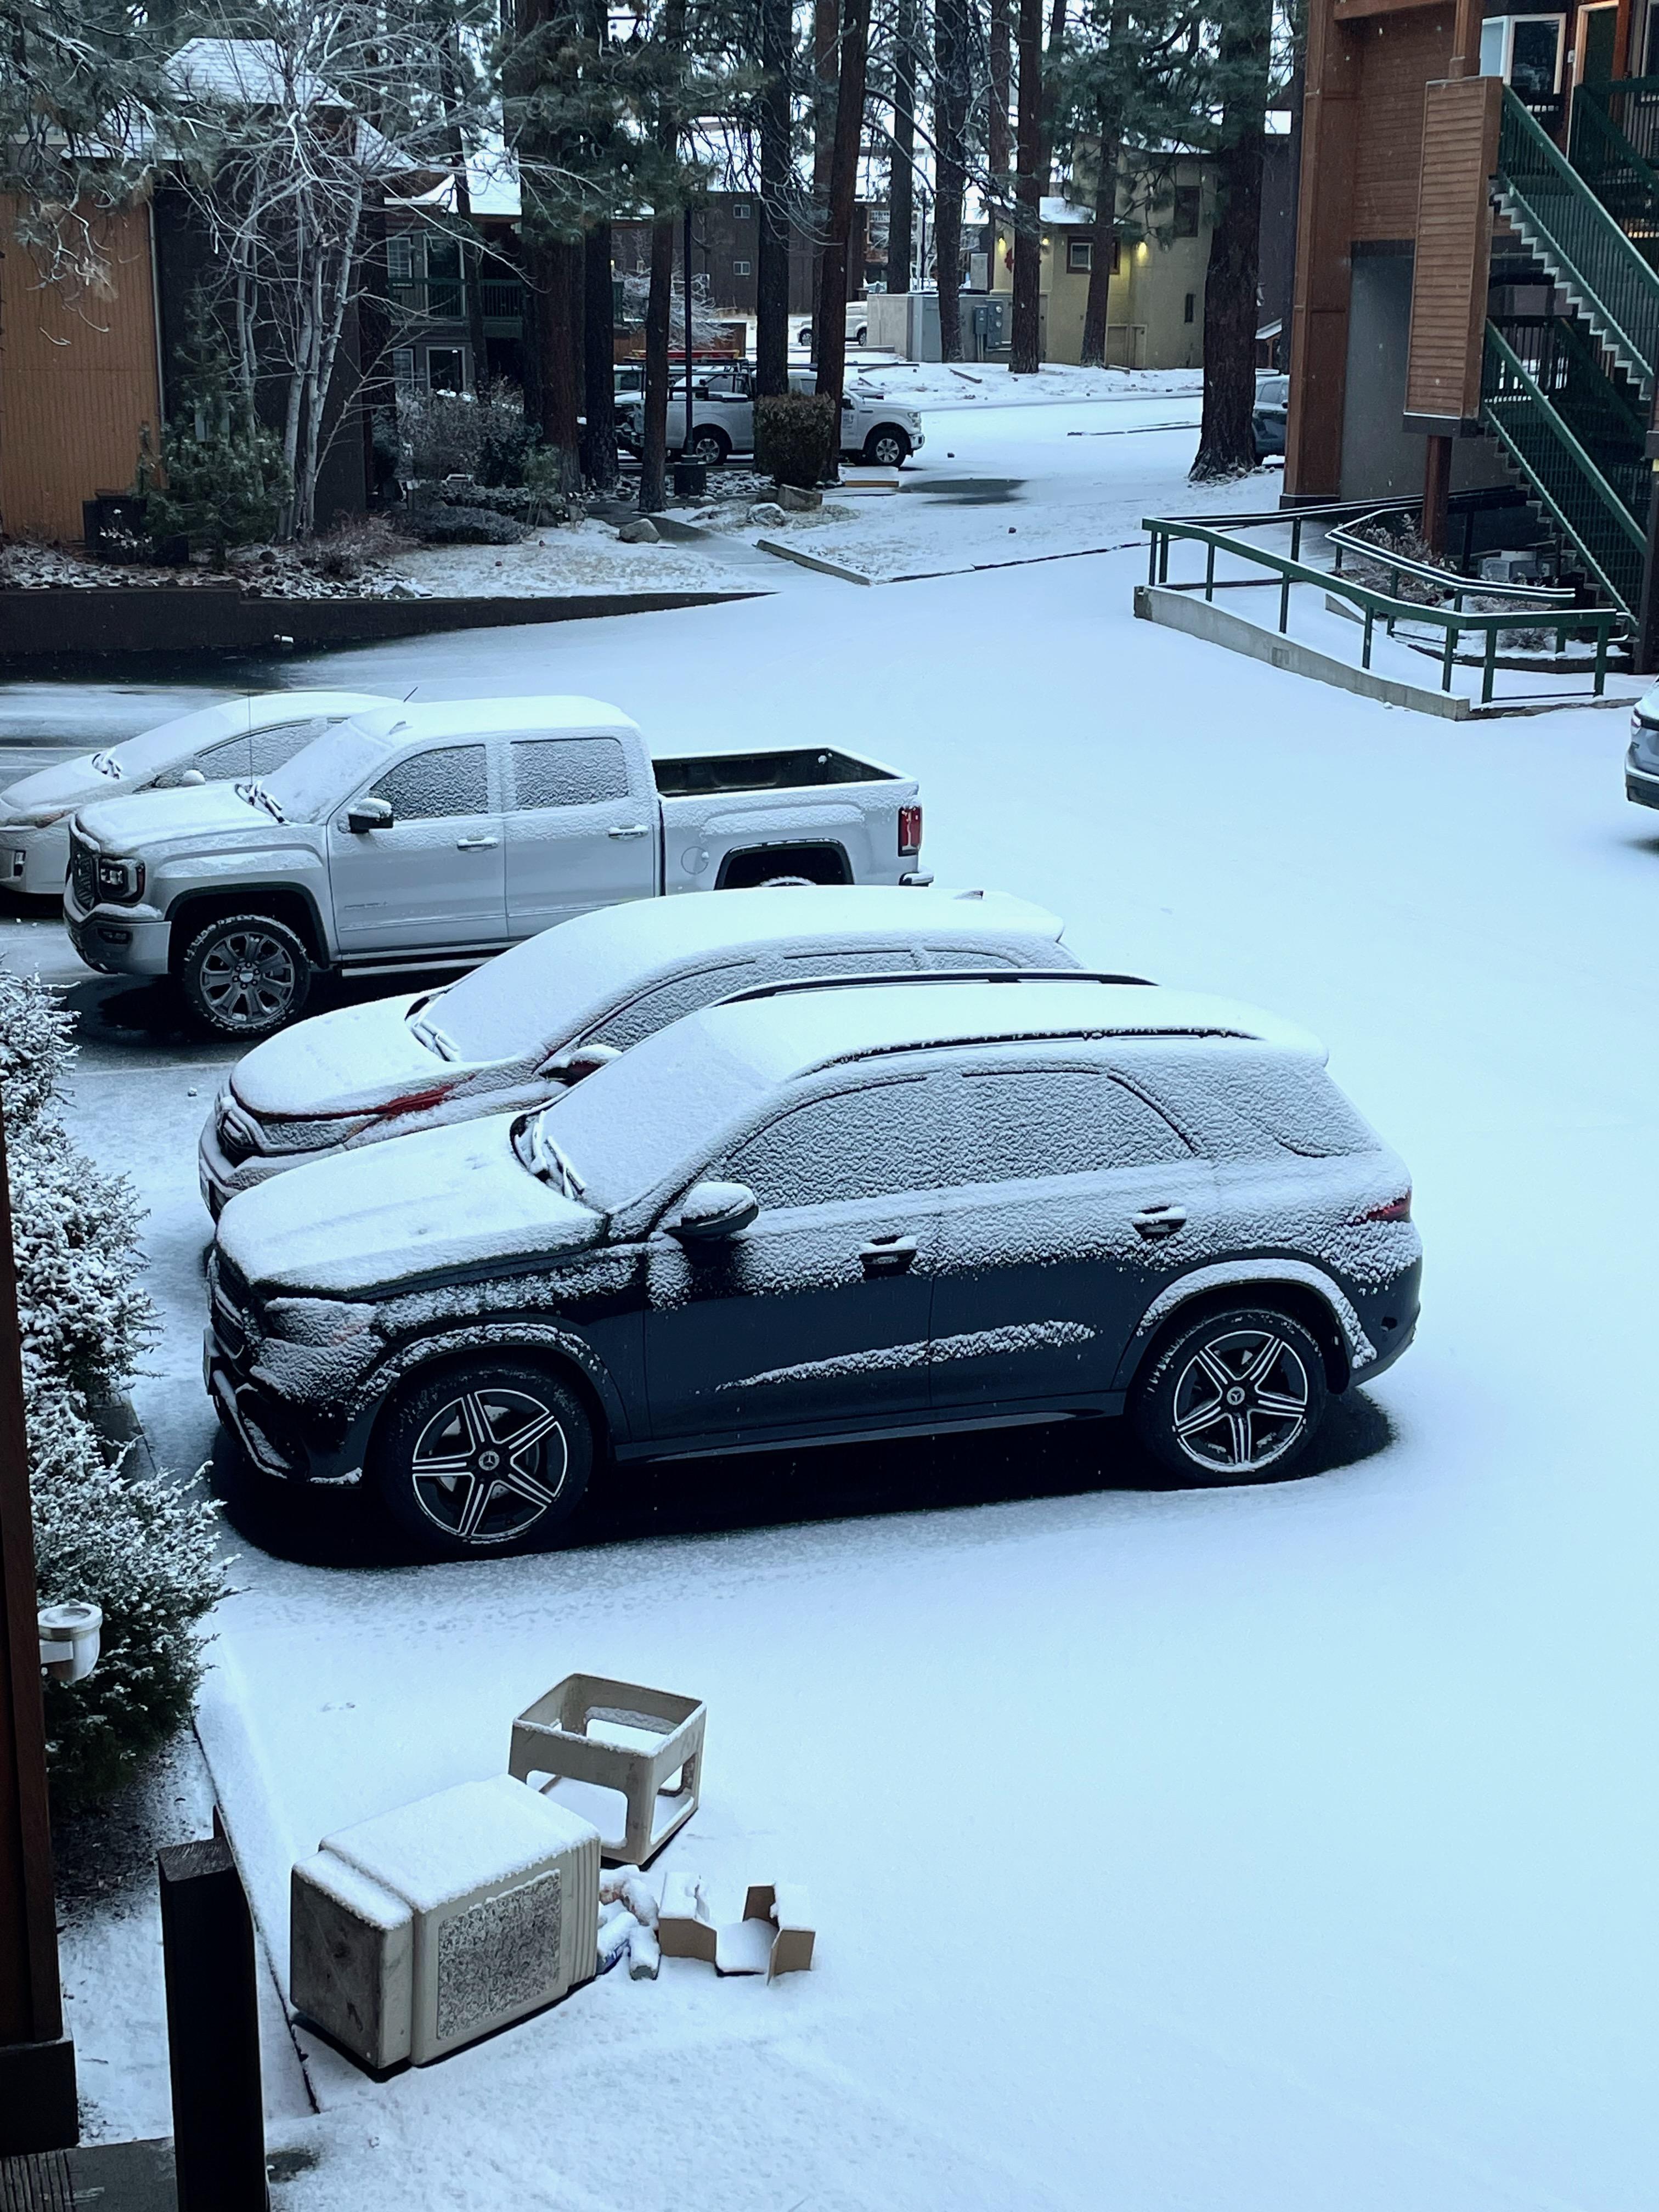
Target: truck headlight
column 122, row 881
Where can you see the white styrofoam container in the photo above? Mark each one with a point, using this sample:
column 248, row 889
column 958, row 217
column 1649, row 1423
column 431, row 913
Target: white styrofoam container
column 421, row 1929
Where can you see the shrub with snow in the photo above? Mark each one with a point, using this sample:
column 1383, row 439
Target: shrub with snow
column 136, row 1544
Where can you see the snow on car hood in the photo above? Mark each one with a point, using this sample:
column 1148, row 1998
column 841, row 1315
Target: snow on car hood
column 414, row 1207
column 351, row 1062
column 72, row 783
column 184, row 815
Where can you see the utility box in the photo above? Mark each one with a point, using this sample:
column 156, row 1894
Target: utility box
column 420, row 1930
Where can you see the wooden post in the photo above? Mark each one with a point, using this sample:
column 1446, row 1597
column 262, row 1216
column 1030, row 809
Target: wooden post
column 213, row 2030
column 37, row 2059
column 1437, row 490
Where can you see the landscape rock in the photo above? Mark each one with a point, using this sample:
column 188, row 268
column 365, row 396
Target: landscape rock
column 794, row 500
column 641, row 532
column 768, row 514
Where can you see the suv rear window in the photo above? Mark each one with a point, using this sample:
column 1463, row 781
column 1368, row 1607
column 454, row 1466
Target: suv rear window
column 1286, row 1104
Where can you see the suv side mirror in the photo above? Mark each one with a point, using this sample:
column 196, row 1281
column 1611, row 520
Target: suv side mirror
column 367, row 814
column 192, row 777
column 710, row 1211
column 580, row 1061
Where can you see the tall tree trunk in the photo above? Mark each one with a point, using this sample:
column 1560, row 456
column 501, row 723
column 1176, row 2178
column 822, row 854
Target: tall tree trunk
column 598, row 362
column 653, row 453
column 1108, row 122
column 902, row 165
column 829, row 324
column 1025, row 356
column 552, row 263
column 772, row 240
column 1000, row 61
column 951, row 91
column 826, row 82
column 1226, row 445
column 377, row 394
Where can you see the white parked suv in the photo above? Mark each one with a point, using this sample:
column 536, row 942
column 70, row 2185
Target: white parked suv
column 873, row 427
column 433, row 836
column 519, row 1030
column 237, row 738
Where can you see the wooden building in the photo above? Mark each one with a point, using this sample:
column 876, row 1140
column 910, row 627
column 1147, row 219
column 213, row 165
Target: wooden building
column 1477, row 286
column 80, row 379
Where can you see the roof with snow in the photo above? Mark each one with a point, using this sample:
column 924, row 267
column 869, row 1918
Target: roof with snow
column 261, row 73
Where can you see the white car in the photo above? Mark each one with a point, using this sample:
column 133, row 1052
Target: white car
column 239, row 738
column 874, row 428
column 515, row 1033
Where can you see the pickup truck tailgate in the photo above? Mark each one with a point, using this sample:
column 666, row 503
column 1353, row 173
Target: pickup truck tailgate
column 743, row 813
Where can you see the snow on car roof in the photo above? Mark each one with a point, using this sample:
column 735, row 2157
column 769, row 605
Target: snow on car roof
column 667, row 1105
column 547, row 984
column 154, row 749
column 478, row 718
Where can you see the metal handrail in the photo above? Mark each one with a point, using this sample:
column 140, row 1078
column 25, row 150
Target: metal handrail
column 1581, row 621
column 1446, row 579
column 1623, row 288
column 1593, row 480
column 1591, row 116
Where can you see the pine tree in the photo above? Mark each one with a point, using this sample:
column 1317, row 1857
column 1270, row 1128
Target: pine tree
column 1239, row 88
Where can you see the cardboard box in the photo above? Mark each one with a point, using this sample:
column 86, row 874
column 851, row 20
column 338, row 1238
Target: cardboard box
column 773, row 1937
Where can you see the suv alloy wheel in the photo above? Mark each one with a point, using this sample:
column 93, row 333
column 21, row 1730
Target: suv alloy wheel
column 246, row 975
column 1239, row 1393
column 490, row 1457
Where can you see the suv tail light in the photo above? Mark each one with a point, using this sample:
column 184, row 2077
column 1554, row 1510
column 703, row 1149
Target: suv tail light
column 909, row 829
column 1391, row 1209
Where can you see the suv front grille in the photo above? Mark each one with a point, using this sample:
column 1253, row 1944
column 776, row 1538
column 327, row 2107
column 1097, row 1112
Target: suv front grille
column 239, row 1139
column 83, row 874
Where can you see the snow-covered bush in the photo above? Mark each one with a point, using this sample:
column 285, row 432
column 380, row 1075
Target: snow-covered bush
column 135, row 1544
column 795, row 437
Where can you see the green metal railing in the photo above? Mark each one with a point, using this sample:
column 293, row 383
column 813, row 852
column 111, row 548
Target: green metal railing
column 1603, row 411
column 1563, row 475
column 1620, row 173
column 1217, row 535
column 1580, row 241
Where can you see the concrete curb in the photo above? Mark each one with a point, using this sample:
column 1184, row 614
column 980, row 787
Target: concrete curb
column 813, row 561
column 1183, row 610
column 186, row 620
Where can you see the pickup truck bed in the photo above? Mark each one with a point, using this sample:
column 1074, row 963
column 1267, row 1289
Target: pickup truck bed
column 690, row 776
column 736, row 819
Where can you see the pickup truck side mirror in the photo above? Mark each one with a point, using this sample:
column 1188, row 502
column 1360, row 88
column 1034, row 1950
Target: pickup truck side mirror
column 579, row 1062
column 366, row 814
column 710, row 1211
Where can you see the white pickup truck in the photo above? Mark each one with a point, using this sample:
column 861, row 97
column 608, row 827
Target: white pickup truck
column 433, row 836
column 873, row 427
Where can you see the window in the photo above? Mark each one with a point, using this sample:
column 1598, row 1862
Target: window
column 403, row 368
column 1079, row 255
column 740, row 212
column 1525, row 51
column 859, row 1144
column 274, row 746
column 1189, row 201
column 450, row 779
column 741, row 268
column 654, row 1009
column 446, row 368
column 224, row 763
column 1025, row 1122
column 1117, row 255
column 567, row 771
column 400, row 260
column 1190, row 307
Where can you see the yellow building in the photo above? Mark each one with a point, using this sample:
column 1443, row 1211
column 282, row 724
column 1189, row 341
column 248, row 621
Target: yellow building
column 1155, row 305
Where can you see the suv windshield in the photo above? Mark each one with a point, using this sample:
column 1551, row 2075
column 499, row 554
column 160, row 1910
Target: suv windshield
column 323, row 773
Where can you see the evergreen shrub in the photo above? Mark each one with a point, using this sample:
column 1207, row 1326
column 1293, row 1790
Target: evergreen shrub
column 797, row 437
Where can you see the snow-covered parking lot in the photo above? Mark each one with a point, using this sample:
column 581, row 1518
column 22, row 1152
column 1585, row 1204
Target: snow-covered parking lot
column 1237, row 1852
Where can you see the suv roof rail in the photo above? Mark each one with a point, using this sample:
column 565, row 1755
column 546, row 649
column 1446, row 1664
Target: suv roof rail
column 796, row 983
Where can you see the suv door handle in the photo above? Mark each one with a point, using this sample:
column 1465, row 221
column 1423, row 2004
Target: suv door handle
column 477, row 844
column 1159, row 1221
column 634, row 830
column 887, row 1255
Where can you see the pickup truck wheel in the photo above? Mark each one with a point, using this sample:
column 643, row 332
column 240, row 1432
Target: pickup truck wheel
column 246, row 975
column 711, row 447
column 486, row 1458
column 887, row 446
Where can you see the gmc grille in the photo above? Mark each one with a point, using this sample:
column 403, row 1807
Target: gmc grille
column 83, row 873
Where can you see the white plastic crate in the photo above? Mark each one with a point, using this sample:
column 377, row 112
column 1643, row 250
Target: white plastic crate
column 422, row 1930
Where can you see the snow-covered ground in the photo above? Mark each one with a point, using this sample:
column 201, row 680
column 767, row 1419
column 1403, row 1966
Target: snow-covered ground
column 1286, row 1847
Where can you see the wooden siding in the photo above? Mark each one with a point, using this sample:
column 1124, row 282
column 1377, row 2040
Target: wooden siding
column 1319, row 316
column 1454, row 248
column 77, row 379
column 1398, row 55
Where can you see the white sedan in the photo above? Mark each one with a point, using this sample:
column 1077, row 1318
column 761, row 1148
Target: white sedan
column 238, row 738
column 518, row 1030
